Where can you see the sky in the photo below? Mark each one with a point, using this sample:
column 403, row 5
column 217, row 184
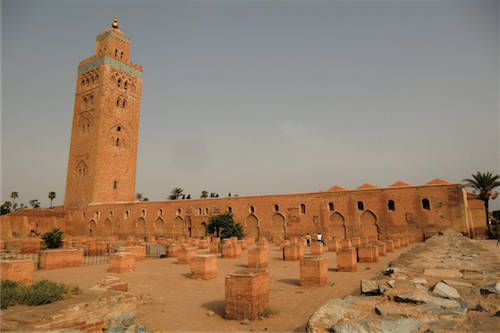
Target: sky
column 261, row 97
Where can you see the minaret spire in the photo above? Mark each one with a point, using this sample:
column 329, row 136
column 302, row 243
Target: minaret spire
column 114, row 25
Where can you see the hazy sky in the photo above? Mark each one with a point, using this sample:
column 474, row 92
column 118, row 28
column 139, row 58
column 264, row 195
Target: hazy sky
column 254, row 97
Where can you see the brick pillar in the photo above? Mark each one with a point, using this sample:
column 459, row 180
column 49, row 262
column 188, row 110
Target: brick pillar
column 366, row 253
column 185, row 254
column 237, row 250
column 381, row 248
column 257, row 258
column 316, row 248
column 293, row 252
column 313, row 271
column 173, row 250
column 139, row 252
column 228, row 250
column 346, row 260
column 120, row 262
column 333, row 245
column 262, row 245
column 397, row 243
column 345, row 243
column 17, row 270
column 356, row 241
column 243, row 244
column 389, row 246
column 214, row 247
column 364, row 240
column 247, row 294
column 203, row 244
column 60, row 258
column 204, row 266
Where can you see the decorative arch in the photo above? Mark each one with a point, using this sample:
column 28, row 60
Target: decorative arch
column 252, row 227
column 81, row 169
column 118, row 136
column 278, row 226
column 140, row 227
column 158, row 227
column 92, row 227
column 178, row 227
column 107, row 228
column 368, row 224
column 336, row 226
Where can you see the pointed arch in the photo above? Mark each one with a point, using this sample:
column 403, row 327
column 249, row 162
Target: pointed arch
column 252, row 227
column 107, row 227
column 158, row 227
column 92, row 227
column 336, row 226
column 368, row 225
column 140, row 227
column 278, row 226
column 178, row 227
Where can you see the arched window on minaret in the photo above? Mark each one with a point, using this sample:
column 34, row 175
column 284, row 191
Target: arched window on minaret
column 119, row 82
column 118, row 142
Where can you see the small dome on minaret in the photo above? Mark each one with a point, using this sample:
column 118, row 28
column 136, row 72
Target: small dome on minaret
column 114, row 25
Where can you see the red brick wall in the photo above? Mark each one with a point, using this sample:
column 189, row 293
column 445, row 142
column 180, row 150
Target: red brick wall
column 346, row 260
column 313, row 271
column 18, row 270
column 60, row 258
column 204, row 267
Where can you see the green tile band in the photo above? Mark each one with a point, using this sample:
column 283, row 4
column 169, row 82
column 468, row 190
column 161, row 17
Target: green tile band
column 110, row 61
column 98, row 38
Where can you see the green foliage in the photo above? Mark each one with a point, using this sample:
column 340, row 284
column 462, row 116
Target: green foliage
column 204, row 195
column 223, row 225
column 6, row 208
column 484, row 183
column 176, row 193
column 53, row 239
column 52, row 196
column 41, row 292
column 34, row 203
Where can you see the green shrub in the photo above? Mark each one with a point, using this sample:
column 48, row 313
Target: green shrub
column 8, row 293
column 41, row 292
column 53, row 239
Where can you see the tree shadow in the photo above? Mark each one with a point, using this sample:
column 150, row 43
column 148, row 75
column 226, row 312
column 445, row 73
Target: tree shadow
column 218, row 307
column 295, row 282
column 333, row 269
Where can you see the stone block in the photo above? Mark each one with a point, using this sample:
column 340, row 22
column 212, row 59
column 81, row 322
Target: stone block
column 246, row 294
column 345, row 243
column 17, row 270
column 316, row 248
column 214, row 247
column 121, row 262
column 355, row 241
column 366, row 253
column 293, row 252
column 333, row 245
column 381, row 248
column 347, row 260
column 389, row 246
column 372, row 239
column 258, row 258
column 364, row 240
column 173, row 250
column 185, row 254
column 139, row 252
column 60, row 258
column 262, row 245
column 203, row 244
column 313, row 271
column 204, row 266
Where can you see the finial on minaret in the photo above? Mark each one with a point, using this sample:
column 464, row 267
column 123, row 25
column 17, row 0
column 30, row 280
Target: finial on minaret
column 114, row 25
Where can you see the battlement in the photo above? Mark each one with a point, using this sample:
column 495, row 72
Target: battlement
column 101, row 54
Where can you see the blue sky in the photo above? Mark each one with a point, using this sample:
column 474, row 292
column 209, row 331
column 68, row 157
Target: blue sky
column 263, row 97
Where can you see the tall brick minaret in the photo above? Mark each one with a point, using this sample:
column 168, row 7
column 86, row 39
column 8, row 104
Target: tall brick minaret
column 103, row 149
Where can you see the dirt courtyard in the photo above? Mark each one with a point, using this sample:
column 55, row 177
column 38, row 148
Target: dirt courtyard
column 171, row 301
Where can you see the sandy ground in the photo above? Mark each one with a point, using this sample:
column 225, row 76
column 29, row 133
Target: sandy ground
column 174, row 302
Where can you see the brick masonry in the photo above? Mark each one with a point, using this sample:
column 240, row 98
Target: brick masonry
column 204, row 266
column 313, row 271
column 347, row 260
column 121, row 262
column 246, row 294
column 60, row 258
column 18, row 270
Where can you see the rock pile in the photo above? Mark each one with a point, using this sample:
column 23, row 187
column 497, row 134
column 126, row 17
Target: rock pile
column 446, row 284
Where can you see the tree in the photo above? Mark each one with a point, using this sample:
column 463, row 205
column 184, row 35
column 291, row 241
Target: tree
column 53, row 239
column 204, row 195
column 138, row 196
column 176, row 193
column 223, row 225
column 484, row 183
column 6, row 208
column 14, row 196
column 188, row 196
column 34, row 203
column 52, row 196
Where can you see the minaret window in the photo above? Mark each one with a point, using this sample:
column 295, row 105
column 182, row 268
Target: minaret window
column 118, row 128
column 123, row 104
column 117, row 102
column 119, row 82
column 125, row 85
column 116, row 52
column 121, row 55
column 115, row 185
column 118, row 142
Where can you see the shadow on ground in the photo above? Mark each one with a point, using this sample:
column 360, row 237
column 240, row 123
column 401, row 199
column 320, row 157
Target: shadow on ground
column 215, row 306
column 295, row 282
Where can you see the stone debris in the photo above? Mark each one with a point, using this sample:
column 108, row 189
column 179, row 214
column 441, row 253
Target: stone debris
column 444, row 290
column 434, row 287
column 111, row 283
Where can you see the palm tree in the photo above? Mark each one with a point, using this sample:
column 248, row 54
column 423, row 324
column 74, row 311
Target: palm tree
column 52, row 196
column 176, row 193
column 14, row 195
column 484, row 183
column 138, row 196
column 204, row 194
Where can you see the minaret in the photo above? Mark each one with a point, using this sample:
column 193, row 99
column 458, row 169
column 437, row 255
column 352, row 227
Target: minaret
column 103, row 149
